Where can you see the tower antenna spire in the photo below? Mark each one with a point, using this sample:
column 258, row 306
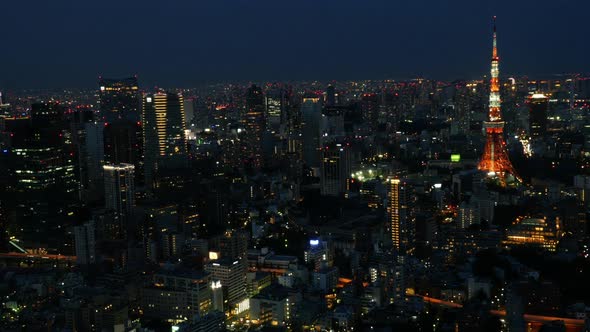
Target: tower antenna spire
column 494, row 43
column 494, row 22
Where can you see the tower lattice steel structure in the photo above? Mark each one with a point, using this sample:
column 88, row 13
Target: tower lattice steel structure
column 495, row 161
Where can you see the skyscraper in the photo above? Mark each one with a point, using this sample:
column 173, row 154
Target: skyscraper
column 255, row 124
column 119, row 99
column 94, row 154
column 275, row 102
column 87, row 137
column 44, row 192
column 119, row 190
column 332, row 125
column 494, row 160
column 400, row 218
column 189, row 110
column 370, row 109
column 311, row 113
column 330, row 96
column 5, row 109
column 164, row 133
column 119, row 105
column 335, row 169
column 538, row 114
column 122, row 142
column 85, row 243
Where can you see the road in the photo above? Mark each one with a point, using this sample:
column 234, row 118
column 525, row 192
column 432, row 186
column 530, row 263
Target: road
column 573, row 325
column 18, row 255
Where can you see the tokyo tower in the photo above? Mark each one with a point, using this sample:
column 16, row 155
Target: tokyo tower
column 494, row 160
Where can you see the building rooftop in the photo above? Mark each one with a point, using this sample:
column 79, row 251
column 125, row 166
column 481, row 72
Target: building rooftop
column 282, row 258
column 183, row 273
column 273, row 292
column 224, row 262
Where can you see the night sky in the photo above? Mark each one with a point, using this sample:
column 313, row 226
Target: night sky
column 68, row 43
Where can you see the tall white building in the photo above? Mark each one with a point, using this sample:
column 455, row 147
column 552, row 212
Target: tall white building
column 232, row 276
column 217, row 295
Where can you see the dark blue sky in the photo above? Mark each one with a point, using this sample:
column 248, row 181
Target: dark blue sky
column 68, row 43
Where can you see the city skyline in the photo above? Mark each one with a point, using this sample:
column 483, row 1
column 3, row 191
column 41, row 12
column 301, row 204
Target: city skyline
column 189, row 44
column 201, row 180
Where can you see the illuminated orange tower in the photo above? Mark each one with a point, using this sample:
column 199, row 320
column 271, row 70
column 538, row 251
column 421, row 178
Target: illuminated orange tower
column 494, row 160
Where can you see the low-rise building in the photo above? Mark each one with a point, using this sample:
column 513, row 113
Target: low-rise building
column 274, row 305
column 176, row 295
column 325, row 279
column 212, row 322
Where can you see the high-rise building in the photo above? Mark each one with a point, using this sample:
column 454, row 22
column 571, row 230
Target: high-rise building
column 44, row 189
column 332, row 125
column 276, row 100
column 538, row 114
column 534, row 232
column 119, row 187
column 232, row 245
column 311, row 114
column 495, row 161
column 514, row 310
column 468, row 215
column 216, row 296
column 119, row 105
column 3, row 223
column 232, row 276
column 401, row 222
column 396, row 276
column 171, row 243
column 330, row 96
column 5, row 109
column 335, row 169
column 211, row 322
column 274, row 106
column 390, row 272
column 189, row 110
column 85, row 243
column 94, row 155
column 255, row 124
column 319, row 253
column 163, row 134
column 273, row 306
column 87, row 137
column 119, row 99
column 122, row 142
column 370, row 109
column 176, row 294
column 325, row 278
